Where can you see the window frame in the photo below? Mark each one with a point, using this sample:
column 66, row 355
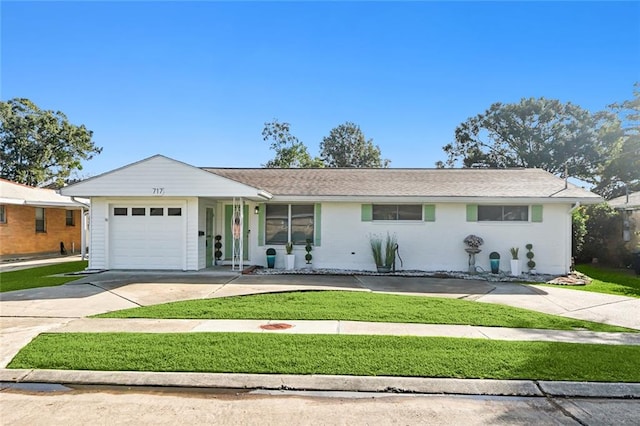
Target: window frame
column 41, row 229
column 71, row 222
column 3, row 214
column 290, row 224
column 398, row 206
column 516, row 208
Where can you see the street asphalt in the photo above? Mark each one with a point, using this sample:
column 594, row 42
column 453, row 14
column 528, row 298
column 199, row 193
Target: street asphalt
column 25, row 314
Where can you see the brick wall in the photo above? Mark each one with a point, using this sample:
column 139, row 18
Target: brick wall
column 18, row 235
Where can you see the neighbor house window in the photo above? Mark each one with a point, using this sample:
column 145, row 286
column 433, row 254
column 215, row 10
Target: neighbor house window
column 289, row 222
column 397, row 212
column 70, row 218
column 40, row 222
column 3, row 214
column 503, row 213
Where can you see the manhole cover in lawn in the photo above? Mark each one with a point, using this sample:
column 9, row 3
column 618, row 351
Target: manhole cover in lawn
column 278, row 326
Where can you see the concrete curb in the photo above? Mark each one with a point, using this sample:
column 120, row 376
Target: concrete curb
column 326, row 383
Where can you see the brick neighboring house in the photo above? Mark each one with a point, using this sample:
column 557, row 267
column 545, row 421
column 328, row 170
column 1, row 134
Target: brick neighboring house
column 34, row 221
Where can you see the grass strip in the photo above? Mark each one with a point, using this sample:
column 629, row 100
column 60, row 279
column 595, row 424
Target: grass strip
column 609, row 281
column 40, row 276
column 359, row 306
column 331, row 354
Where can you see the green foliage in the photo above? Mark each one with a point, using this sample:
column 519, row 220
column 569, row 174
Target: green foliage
column 621, row 168
column 359, row 306
column 602, row 223
column 38, row 146
column 267, row 353
column 346, row 146
column 514, row 252
column 383, row 249
column 578, row 231
column 540, row 133
column 290, row 151
column 40, row 276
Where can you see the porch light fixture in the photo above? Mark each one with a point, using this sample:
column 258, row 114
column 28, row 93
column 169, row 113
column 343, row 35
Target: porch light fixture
column 256, row 210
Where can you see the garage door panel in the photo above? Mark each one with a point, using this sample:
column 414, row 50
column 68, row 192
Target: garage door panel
column 147, row 242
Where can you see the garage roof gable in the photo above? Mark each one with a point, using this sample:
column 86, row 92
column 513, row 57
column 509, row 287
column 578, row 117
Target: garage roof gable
column 162, row 176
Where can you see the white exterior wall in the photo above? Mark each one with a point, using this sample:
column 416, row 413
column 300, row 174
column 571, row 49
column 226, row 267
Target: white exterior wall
column 434, row 246
column 98, row 217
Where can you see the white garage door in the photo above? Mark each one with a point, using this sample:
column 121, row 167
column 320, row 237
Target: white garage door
column 148, row 236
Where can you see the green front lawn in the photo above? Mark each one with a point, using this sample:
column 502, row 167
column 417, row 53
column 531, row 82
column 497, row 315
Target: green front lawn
column 331, row 354
column 40, row 276
column 610, row 281
column 359, row 306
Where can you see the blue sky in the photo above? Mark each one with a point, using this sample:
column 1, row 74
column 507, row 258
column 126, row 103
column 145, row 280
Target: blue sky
column 196, row 81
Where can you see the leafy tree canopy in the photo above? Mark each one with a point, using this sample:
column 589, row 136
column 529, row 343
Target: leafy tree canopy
column 345, row 146
column 290, row 152
column 539, row 133
column 621, row 169
column 38, row 147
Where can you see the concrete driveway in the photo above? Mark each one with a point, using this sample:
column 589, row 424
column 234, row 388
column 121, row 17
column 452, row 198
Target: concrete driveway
column 24, row 314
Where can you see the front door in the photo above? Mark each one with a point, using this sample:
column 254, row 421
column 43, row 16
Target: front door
column 209, row 238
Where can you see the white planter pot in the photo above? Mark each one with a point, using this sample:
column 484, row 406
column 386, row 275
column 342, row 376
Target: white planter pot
column 515, row 267
column 290, row 261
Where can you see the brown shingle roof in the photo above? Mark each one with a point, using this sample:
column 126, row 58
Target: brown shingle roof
column 532, row 183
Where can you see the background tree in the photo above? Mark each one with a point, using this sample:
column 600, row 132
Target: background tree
column 621, row 169
column 346, row 146
column 290, row 151
column 38, row 146
column 539, row 133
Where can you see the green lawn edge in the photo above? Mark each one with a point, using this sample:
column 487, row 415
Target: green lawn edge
column 360, row 306
column 40, row 276
column 331, row 355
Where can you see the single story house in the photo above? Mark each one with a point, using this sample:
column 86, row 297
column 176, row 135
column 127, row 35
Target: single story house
column 36, row 221
column 160, row 213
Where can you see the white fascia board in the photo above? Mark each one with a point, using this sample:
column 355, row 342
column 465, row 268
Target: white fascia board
column 61, row 204
column 425, row 200
column 15, row 201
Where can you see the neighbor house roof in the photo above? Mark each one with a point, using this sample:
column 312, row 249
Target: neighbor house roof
column 436, row 183
column 631, row 202
column 16, row 193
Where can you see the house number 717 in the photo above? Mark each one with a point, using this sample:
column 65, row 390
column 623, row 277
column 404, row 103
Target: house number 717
column 158, row 191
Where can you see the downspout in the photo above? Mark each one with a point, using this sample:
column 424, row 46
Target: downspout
column 83, row 226
column 575, row 207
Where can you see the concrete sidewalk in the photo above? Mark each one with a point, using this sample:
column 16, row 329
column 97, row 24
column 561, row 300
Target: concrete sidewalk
column 134, row 325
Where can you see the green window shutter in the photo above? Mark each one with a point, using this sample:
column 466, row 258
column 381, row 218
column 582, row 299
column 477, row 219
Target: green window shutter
column 317, row 231
column 536, row 213
column 261, row 213
column 472, row 212
column 429, row 212
column 228, row 236
column 366, row 213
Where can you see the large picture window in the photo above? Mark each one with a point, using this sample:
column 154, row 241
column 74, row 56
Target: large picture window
column 503, row 213
column 397, row 212
column 289, row 222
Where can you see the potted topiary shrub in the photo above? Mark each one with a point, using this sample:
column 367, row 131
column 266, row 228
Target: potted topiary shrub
column 530, row 264
column 218, row 246
column 515, row 263
column 308, row 249
column 494, row 260
column 271, row 258
column 291, row 258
